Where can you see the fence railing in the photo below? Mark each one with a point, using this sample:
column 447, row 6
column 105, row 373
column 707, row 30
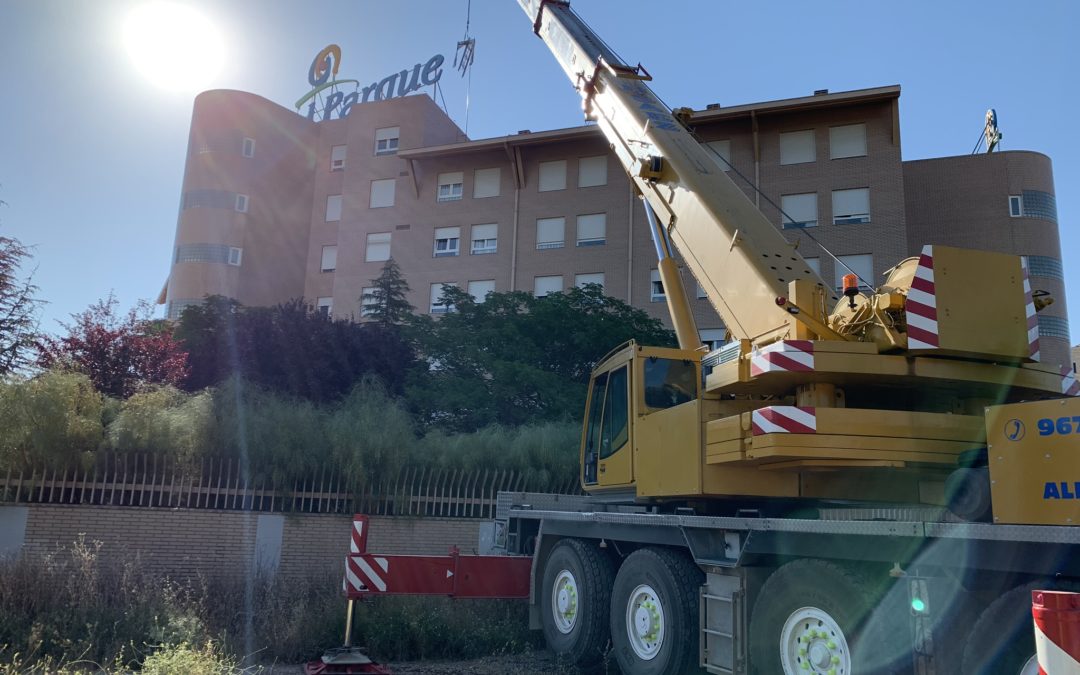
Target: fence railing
column 145, row 480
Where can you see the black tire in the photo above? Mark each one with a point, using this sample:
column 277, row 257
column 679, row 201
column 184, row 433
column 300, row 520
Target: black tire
column 677, row 582
column 585, row 644
column 1003, row 638
column 874, row 622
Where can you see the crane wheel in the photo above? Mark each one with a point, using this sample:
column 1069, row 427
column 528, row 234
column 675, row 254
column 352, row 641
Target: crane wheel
column 654, row 613
column 813, row 616
column 574, row 602
column 967, row 493
column 1002, row 641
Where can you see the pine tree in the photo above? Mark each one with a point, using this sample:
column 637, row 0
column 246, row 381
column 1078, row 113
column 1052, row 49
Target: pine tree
column 387, row 303
column 18, row 308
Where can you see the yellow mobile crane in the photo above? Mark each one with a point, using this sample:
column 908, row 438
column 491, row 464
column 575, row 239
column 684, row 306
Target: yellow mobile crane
column 857, row 483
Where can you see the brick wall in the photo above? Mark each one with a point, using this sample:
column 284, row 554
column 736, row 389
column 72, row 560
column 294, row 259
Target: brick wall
column 184, row 543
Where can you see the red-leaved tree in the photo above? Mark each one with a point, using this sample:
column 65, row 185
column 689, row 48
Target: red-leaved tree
column 119, row 353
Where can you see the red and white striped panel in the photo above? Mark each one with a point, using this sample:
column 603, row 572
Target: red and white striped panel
column 784, row 419
column 358, row 542
column 1069, row 385
column 1057, row 633
column 784, row 356
column 366, row 573
column 921, row 305
column 1029, row 311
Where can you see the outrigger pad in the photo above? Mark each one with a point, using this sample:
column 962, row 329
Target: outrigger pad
column 345, row 661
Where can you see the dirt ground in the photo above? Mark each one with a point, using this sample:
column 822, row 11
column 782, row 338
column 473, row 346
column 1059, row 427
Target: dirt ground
column 531, row 663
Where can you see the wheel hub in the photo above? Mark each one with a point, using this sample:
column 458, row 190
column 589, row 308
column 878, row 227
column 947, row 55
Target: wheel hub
column 645, row 622
column 564, row 601
column 813, row 642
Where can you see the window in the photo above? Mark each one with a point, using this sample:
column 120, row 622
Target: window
column 606, row 431
column 851, row 207
column 863, row 265
column 799, row 210
column 550, row 232
column 1039, row 204
column 333, row 208
column 1016, row 206
column 446, row 241
column 337, row 158
column 1053, row 327
column 382, row 193
column 242, row 203
column 486, row 183
column 656, row 287
column 329, row 259
column 591, row 229
column 485, row 239
column 368, row 301
column 378, row 247
column 325, row 306
column 479, row 289
column 797, row 147
column 713, row 338
column 236, row 254
column 386, row 140
column 701, row 292
column 450, row 186
column 547, row 285
column 814, row 264
column 583, row 280
column 721, row 153
column 552, row 176
column 248, row 148
column 847, row 141
column 1044, row 266
column 669, row 383
column 592, row 171
column 208, row 199
column 437, row 305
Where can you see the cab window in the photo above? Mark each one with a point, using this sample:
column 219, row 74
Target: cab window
column 615, row 414
column 668, row 383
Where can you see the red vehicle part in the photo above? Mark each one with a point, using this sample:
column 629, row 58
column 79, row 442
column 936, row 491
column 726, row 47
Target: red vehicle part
column 1057, row 631
column 454, row 575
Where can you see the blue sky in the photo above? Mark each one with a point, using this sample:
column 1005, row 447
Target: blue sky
column 92, row 154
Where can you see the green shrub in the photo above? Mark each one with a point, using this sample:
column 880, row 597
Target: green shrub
column 167, row 421
column 52, row 418
column 191, row 660
column 370, row 434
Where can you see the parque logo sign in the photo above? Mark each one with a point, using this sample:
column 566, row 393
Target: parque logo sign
column 326, row 100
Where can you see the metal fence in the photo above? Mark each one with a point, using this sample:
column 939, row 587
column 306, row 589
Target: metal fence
column 145, row 480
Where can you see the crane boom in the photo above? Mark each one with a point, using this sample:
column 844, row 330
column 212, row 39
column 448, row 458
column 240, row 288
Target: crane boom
column 741, row 260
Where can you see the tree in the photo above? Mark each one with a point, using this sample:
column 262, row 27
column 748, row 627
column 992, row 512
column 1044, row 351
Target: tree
column 118, row 353
column 516, row 359
column 290, row 348
column 387, row 304
column 18, row 308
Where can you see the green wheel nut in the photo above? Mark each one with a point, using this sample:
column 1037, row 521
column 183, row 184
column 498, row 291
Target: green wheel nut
column 831, row 644
column 835, row 660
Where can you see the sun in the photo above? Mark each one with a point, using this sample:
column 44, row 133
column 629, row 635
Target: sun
column 174, row 46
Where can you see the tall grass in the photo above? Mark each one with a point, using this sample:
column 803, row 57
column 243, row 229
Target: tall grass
column 71, row 610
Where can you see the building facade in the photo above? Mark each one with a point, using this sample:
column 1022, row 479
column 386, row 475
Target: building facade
column 275, row 206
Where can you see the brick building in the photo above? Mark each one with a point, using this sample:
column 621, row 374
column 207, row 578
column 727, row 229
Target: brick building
column 275, row 206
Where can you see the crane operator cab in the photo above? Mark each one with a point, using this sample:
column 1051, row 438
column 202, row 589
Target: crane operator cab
column 634, row 392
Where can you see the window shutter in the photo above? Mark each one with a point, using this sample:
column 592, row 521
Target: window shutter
column 592, row 171
column 333, row 208
column 814, row 264
column 550, row 231
column 797, row 147
column 387, row 133
column 489, row 231
column 552, row 176
column 582, row 279
column 486, row 183
column 592, row 227
column 863, row 265
column 847, row 141
column 849, row 203
column 382, row 193
column 378, row 247
column 329, row 258
column 447, row 232
column 545, row 285
column 723, row 149
column 800, row 210
column 479, row 289
column 337, row 157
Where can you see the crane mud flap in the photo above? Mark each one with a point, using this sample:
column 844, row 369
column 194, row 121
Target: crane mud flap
column 453, row 575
